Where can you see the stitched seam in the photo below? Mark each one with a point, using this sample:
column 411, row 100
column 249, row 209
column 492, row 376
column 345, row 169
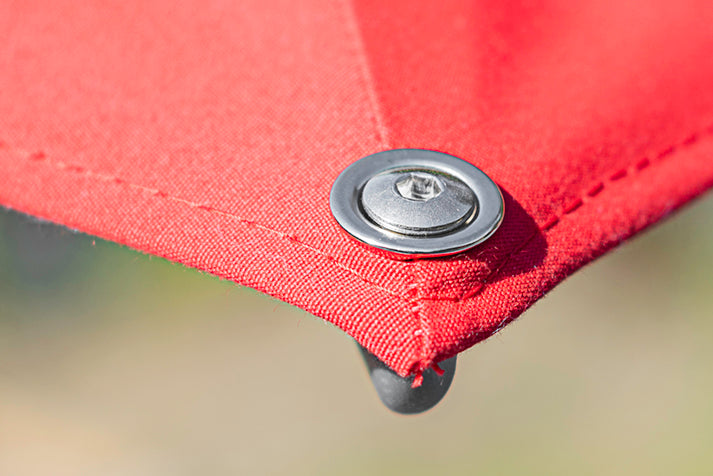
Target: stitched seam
column 360, row 50
column 422, row 331
column 82, row 171
column 381, row 135
column 633, row 169
column 568, row 208
column 422, row 363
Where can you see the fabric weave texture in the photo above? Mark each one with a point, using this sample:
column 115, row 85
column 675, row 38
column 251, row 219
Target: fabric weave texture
column 211, row 132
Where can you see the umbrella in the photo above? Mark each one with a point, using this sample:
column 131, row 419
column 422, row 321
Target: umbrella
column 212, row 133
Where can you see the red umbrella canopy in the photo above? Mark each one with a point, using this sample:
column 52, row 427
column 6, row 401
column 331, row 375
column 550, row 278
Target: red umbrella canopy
column 211, row 132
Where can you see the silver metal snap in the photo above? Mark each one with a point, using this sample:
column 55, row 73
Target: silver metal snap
column 414, row 202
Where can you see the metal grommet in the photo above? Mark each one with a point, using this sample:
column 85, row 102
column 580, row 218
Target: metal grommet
column 416, row 203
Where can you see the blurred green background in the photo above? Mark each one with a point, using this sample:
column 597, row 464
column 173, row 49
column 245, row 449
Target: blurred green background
column 116, row 363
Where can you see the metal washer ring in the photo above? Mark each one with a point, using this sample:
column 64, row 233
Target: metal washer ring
column 345, row 197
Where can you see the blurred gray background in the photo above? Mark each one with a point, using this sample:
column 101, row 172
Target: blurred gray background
column 117, row 363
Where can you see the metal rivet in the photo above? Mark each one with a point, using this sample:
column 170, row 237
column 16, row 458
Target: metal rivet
column 414, row 202
column 417, row 202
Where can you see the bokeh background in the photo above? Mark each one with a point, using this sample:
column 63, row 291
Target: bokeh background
column 117, row 363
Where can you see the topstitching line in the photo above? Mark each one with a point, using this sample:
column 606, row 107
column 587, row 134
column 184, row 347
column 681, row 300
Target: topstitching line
column 423, row 329
column 573, row 205
column 41, row 156
column 634, row 168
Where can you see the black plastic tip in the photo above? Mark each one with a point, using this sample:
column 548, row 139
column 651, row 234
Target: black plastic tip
column 396, row 393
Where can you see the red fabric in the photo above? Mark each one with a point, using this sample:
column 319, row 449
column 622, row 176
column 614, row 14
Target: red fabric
column 210, row 133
